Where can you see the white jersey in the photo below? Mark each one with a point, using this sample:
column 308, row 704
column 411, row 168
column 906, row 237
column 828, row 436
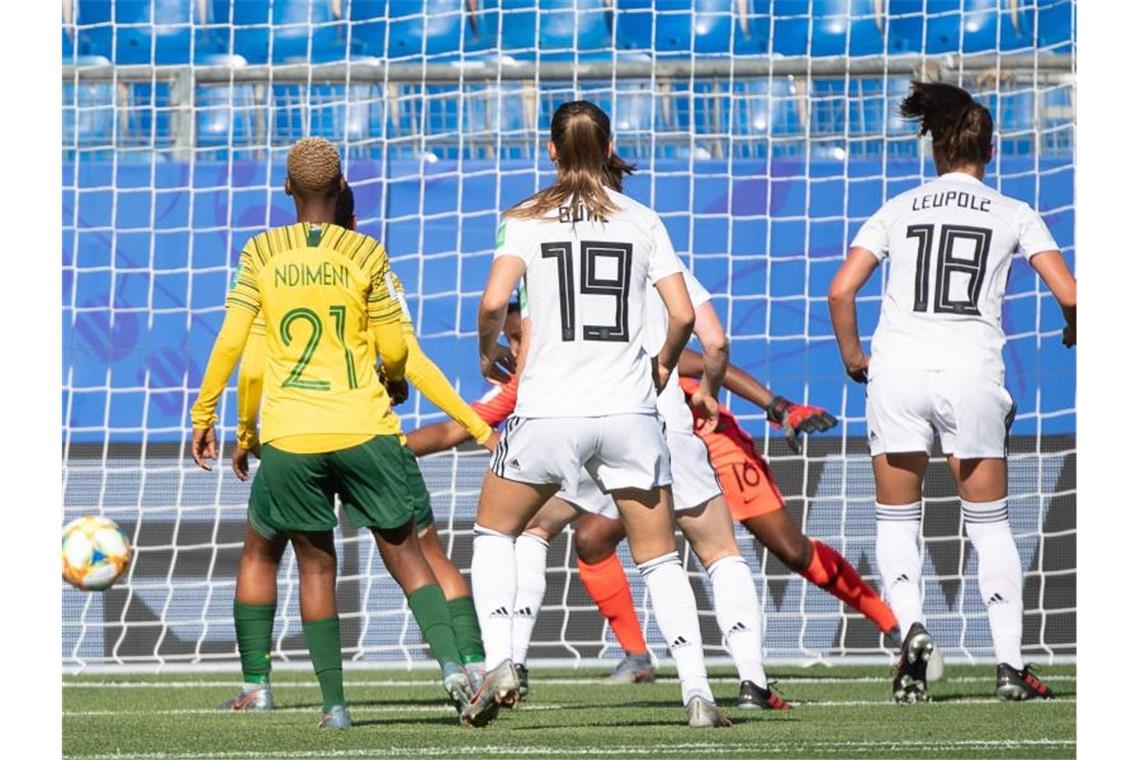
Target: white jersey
column 585, row 294
column 671, row 403
column 951, row 243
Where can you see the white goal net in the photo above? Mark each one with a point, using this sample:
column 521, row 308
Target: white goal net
column 764, row 134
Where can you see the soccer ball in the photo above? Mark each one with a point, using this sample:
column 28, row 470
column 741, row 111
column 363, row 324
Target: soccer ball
column 95, row 553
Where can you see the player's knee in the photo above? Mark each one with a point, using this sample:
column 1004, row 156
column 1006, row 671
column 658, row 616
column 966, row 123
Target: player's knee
column 594, row 540
column 794, row 551
column 716, row 554
column 313, row 561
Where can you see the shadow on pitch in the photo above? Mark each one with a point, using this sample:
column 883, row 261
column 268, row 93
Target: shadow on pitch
column 393, row 703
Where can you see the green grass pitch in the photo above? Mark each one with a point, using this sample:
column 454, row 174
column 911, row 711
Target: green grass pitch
column 840, row 712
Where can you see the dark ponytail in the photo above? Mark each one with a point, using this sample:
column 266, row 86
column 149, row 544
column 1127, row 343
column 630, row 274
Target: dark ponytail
column 581, row 135
column 962, row 129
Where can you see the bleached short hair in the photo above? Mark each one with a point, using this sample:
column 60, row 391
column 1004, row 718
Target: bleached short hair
column 314, row 167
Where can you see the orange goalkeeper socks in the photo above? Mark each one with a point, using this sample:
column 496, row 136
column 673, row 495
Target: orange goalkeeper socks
column 608, row 586
column 834, row 574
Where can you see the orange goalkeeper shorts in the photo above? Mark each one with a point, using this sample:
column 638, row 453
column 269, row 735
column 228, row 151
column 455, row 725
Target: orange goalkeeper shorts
column 749, row 489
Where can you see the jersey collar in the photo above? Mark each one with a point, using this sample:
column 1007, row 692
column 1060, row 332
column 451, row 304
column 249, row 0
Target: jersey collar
column 962, row 176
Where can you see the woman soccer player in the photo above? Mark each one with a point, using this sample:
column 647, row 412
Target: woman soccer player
column 256, row 588
column 326, row 299
column 936, row 367
column 587, row 391
column 701, row 511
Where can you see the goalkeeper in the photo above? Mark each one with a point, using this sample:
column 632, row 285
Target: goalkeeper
column 259, row 569
column 329, row 306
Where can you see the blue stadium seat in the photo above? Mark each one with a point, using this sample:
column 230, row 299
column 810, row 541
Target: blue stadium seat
column 905, row 26
column 295, row 24
column 1055, row 25
column 432, row 28
column 707, row 28
column 751, row 30
column 685, row 26
column 368, row 26
column 833, row 20
column 93, row 32
column 520, row 25
column 559, row 28
column 791, row 22
column 163, row 24
column 951, row 26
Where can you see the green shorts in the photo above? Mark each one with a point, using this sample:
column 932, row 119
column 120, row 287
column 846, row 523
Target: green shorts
column 422, row 500
column 378, row 483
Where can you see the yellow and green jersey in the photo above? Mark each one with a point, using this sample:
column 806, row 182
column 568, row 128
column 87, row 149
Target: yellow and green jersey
column 328, row 303
column 420, row 371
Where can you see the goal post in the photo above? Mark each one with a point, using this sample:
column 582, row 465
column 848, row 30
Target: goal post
column 762, row 165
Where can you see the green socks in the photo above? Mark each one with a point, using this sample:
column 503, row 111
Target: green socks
column 467, row 634
column 323, row 639
column 254, row 626
column 430, row 609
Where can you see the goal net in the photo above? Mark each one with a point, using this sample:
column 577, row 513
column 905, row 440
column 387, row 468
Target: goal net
column 764, row 134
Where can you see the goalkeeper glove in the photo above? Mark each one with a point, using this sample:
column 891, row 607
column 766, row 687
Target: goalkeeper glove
column 798, row 418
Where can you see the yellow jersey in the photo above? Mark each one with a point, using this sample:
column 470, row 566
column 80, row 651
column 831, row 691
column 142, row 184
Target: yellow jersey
column 328, row 302
column 420, row 371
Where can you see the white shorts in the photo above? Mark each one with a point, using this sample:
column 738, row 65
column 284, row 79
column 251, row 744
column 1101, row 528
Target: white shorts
column 970, row 413
column 589, row 498
column 618, row 451
column 694, row 480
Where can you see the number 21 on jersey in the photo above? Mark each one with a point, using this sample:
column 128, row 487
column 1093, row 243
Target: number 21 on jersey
column 614, row 282
column 316, row 327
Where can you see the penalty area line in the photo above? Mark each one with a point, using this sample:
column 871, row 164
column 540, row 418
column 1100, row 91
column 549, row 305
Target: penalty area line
column 683, row 749
column 442, row 707
column 362, row 710
column 105, row 684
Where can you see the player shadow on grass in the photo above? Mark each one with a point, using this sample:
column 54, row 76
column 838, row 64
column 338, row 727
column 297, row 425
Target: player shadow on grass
column 440, row 703
column 397, row 720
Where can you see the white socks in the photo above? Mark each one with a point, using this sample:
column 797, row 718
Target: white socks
column 675, row 610
column 900, row 561
column 999, row 575
column 530, row 566
column 493, row 585
column 738, row 615
column 999, row 568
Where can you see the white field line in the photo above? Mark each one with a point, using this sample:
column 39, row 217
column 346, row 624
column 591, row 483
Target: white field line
column 584, row 681
column 445, row 708
column 355, row 710
column 686, row 749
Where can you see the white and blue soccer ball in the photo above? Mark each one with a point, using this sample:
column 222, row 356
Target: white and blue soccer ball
column 95, row 553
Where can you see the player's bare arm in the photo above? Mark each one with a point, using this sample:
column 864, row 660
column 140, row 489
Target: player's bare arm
column 682, row 318
column 1051, row 266
column 856, row 270
column 495, row 359
column 714, row 345
column 791, row 417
